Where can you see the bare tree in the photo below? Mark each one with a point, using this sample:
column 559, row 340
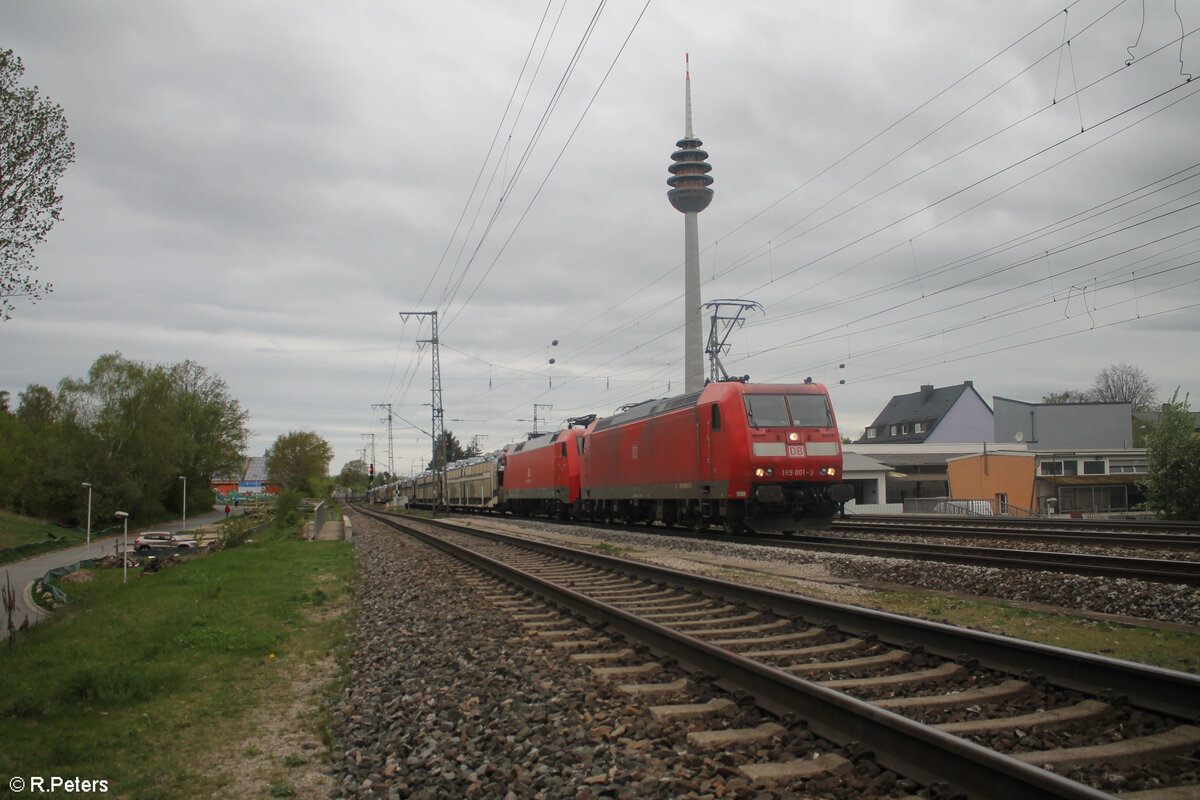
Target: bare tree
column 34, row 154
column 1067, row 396
column 1125, row 383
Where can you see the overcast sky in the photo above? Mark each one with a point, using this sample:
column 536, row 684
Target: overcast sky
column 923, row 192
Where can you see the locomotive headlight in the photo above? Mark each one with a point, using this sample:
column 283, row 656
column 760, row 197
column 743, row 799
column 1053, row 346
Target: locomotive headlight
column 829, row 472
column 764, row 472
column 793, row 437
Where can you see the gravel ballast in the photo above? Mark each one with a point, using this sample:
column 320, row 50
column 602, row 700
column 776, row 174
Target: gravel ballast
column 449, row 697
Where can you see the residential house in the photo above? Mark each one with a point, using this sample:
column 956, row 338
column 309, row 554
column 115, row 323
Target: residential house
column 950, row 414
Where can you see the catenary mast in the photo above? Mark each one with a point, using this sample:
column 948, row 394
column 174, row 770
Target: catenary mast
column 690, row 194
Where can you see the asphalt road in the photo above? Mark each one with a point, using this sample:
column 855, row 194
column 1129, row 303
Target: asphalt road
column 23, row 573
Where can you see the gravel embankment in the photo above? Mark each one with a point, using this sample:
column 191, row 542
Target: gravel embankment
column 448, row 697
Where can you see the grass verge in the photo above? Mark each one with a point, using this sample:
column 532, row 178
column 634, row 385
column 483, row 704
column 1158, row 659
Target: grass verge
column 22, row 537
column 1160, row 647
column 143, row 685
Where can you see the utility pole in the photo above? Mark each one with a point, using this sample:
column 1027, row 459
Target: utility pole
column 718, row 342
column 371, row 466
column 391, row 464
column 439, row 413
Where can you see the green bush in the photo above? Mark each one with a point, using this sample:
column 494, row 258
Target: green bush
column 287, row 505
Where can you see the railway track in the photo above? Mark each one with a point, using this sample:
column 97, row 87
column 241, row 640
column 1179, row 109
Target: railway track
column 981, row 713
column 1146, row 569
column 1156, row 532
column 1183, row 569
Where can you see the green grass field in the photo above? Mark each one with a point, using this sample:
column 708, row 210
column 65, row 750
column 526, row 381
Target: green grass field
column 22, row 537
column 141, row 684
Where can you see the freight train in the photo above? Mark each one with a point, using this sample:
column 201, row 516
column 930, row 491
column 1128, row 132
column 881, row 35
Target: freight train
column 760, row 457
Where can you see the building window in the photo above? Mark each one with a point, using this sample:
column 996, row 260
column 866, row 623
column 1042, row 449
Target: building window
column 904, row 429
column 872, row 433
column 892, row 430
column 1093, row 468
column 1060, row 467
column 918, row 427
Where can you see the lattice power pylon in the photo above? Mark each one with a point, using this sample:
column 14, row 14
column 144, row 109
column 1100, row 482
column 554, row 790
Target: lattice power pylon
column 439, row 414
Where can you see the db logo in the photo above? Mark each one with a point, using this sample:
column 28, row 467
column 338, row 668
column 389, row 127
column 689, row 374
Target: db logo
column 795, row 451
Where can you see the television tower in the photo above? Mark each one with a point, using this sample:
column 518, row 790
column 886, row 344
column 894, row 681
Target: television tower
column 690, row 194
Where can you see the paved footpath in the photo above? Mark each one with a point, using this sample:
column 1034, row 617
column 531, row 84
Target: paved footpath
column 24, row 573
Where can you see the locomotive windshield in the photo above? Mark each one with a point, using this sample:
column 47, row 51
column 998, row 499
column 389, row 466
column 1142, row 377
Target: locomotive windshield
column 810, row 410
column 772, row 411
column 767, row 411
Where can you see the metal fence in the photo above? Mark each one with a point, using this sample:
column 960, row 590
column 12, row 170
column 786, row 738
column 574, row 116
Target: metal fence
column 964, row 507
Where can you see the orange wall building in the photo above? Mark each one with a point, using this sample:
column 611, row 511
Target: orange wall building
column 1006, row 479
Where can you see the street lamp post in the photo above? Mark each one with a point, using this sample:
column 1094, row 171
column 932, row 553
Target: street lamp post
column 89, row 522
column 125, row 548
column 184, row 479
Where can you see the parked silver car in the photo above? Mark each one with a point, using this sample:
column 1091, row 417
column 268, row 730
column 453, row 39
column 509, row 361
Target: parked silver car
column 160, row 540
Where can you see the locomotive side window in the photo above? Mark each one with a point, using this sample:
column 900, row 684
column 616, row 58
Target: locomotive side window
column 564, row 449
column 767, row 411
column 810, row 411
column 579, row 443
column 716, row 417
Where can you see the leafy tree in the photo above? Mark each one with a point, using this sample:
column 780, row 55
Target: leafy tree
column 354, row 475
column 212, row 421
column 34, row 154
column 1125, row 383
column 36, row 406
column 1172, row 483
column 299, row 460
column 14, row 462
column 130, row 429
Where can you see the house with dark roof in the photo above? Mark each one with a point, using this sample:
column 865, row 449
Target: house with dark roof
column 950, row 414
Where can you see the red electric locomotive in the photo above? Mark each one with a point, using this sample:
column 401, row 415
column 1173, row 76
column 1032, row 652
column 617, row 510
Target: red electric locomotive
column 541, row 474
column 765, row 457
